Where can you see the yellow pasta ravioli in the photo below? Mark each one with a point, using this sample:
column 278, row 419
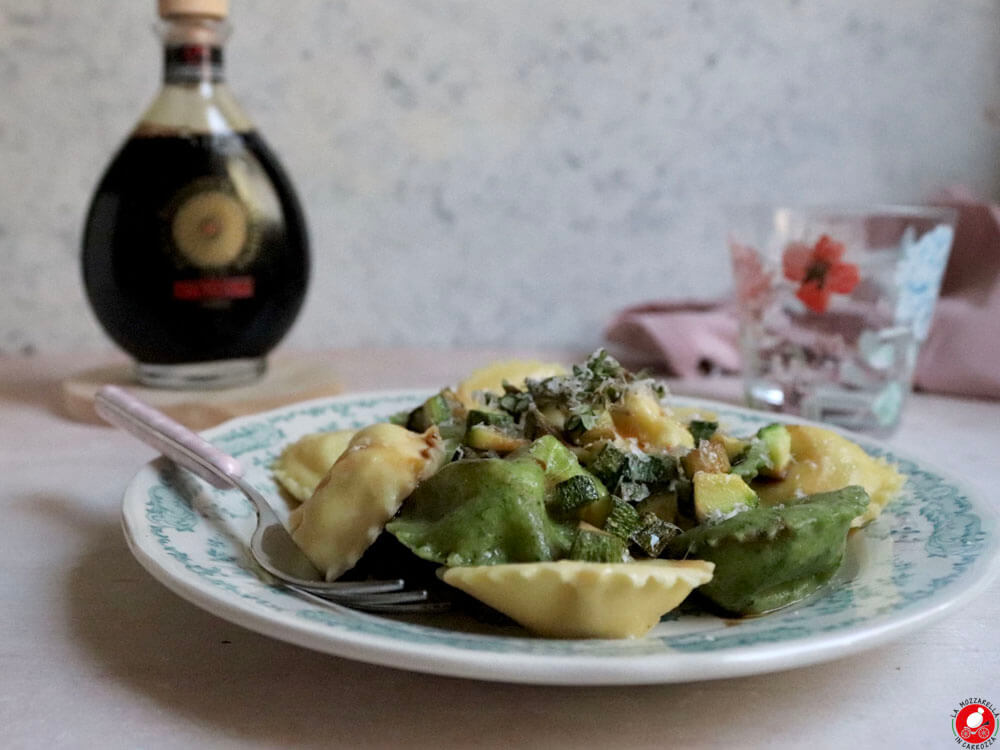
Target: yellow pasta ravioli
column 823, row 461
column 303, row 464
column 364, row 488
column 573, row 599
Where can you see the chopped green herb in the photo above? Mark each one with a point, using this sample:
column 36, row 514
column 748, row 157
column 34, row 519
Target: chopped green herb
column 701, row 430
column 581, row 421
column 586, row 392
column 493, row 418
column 515, row 403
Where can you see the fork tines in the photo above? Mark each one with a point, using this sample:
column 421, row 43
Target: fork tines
column 391, row 602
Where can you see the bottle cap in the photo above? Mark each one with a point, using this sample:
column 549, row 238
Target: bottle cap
column 210, row 8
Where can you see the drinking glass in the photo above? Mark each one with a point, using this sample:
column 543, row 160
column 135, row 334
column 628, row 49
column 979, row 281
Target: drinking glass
column 834, row 304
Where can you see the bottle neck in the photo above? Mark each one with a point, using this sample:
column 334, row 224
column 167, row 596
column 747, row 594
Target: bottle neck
column 192, row 49
column 192, row 63
column 194, row 97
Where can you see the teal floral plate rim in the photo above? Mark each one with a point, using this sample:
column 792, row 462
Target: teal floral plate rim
column 934, row 549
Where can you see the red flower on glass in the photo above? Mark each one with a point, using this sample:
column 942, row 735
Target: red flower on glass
column 753, row 283
column 819, row 271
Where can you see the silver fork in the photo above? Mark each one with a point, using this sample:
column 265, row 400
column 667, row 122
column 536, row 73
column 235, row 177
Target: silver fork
column 271, row 546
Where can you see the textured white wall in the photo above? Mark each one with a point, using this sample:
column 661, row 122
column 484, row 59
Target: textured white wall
column 509, row 172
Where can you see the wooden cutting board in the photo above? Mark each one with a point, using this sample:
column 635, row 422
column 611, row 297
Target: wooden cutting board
column 289, row 378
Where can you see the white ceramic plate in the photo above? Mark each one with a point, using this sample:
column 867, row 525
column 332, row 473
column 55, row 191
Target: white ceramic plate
column 934, row 548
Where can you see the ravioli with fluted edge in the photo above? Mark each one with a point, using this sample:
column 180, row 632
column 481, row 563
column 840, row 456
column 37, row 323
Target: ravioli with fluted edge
column 364, row 488
column 823, row 461
column 573, row 599
column 303, row 464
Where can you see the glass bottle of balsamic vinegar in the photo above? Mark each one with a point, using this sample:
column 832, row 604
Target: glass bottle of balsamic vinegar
column 195, row 254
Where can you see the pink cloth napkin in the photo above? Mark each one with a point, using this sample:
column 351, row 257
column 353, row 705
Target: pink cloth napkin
column 961, row 354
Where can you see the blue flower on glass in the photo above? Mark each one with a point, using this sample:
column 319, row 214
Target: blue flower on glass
column 918, row 276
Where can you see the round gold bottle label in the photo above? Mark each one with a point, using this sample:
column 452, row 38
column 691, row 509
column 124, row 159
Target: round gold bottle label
column 210, row 229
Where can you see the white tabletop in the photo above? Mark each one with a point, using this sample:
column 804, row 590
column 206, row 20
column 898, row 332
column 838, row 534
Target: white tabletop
column 95, row 653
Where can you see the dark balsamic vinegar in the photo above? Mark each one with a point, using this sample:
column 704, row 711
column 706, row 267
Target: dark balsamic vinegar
column 195, row 248
column 195, row 255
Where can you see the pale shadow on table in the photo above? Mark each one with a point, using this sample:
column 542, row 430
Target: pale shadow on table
column 208, row 672
column 41, row 393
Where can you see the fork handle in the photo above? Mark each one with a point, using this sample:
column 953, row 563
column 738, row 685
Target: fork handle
column 175, row 441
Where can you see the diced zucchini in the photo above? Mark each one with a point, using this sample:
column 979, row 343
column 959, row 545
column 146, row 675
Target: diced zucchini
column 685, row 497
column 561, row 464
column 608, row 464
column 748, row 465
column 708, row 456
column 623, row 520
column 632, row 492
column 438, row 409
column 444, row 410
column 734, row 446
column 433, row 411
column 640, row 415
column 596, row 513
column 486, row 437
column 654, row 533
column 768, row 455
column 719, row 494
column 650, row 469
column 576, row 492
column 778, row 441
column 663, row 505
column 593, row 545
column 538, row 423
column 702, row 430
